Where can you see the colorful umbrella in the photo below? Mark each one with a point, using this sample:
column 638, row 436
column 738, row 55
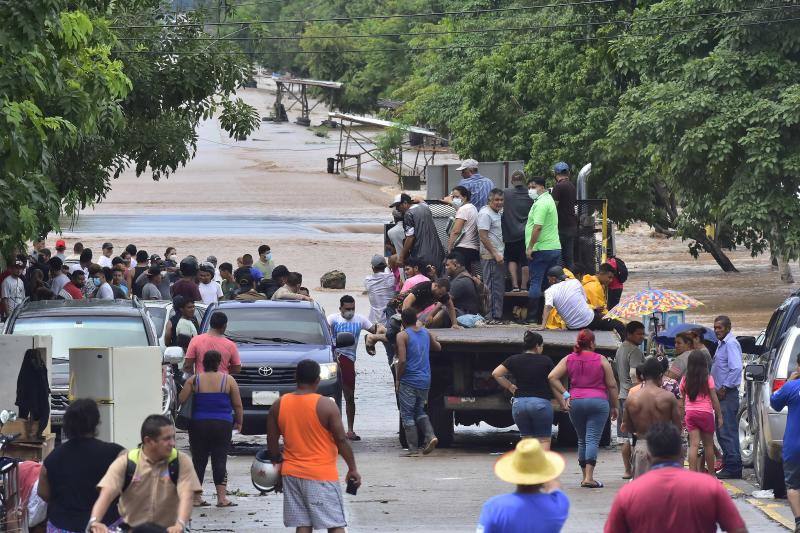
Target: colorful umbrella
column 651, row 301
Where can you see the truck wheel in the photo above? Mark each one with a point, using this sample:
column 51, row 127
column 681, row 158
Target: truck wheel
column 746, row 439
column 769, row 473
column 442, row 421
column 567, row 437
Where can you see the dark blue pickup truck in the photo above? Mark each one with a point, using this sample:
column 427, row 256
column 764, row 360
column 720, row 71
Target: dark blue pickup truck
column 273, row 336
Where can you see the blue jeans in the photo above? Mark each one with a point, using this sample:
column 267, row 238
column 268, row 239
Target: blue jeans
column 533, row 416
column 538, row 265
column 728, row 434
column 412, row 402
column 588, row 416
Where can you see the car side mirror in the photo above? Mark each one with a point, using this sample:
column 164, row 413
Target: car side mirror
column 755, row 372
column 345, row 339
column 173, row 355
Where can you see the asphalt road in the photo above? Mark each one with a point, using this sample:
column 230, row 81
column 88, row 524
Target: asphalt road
column 440, row 492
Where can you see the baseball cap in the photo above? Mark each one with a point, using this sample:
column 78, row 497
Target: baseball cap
column 556, row 272
column 212, row 259
column 155, row 258
column 153, row 271
column 378, row 260
column 560, row 167
column 60, row 244
column 402, row 198
column 107, row 245
column 20, row 261
column 468, row 163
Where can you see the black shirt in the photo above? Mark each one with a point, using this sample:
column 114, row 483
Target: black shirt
column 424, row 296
column 530, row 373
column 516, row 206
column 565, row 196
column 74, row 469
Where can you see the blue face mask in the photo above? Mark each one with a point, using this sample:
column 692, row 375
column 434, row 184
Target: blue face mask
column 268, row 257
column 96, row 282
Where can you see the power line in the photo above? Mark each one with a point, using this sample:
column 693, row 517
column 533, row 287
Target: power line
column 474, row 30
column 467, row 46
column 370, row 17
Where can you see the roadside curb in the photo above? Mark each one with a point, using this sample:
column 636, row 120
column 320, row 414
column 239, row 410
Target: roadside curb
column 770, row 509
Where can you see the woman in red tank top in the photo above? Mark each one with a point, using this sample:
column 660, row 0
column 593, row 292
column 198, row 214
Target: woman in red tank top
column 592, row 394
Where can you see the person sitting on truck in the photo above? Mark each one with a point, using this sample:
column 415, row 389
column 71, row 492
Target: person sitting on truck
column 414, row 276
column 595, row 287
column 530, row 391
column 421, row 237
column 291, row 291
column 463, row 287
column 432, row 302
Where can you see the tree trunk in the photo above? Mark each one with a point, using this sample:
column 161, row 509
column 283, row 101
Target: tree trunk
column 784, row 269
column 716, row 252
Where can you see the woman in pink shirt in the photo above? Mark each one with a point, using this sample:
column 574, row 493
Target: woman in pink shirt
column 699, row 401
column 592, row 394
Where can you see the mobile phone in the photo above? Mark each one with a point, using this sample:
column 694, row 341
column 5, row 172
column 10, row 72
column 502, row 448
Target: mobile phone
column 351, row 487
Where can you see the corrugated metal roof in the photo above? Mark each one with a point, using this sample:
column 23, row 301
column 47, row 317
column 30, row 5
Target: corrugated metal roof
column 369, row 121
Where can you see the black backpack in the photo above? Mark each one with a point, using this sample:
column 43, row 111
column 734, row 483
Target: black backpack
column 622, row 269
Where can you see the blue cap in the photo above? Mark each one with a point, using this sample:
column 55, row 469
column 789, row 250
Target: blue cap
column 561, row 168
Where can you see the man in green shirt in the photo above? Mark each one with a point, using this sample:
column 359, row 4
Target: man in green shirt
column 543, row 247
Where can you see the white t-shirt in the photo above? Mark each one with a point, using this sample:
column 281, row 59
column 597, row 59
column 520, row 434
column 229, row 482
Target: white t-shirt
column 396, row 236
column 58, row 283
column 569, row 299
column 380, row 289
column 210, row 292
column 104, row 292
column 13, row 291
column 469, row 214
column 491, row 221
column 104, row 261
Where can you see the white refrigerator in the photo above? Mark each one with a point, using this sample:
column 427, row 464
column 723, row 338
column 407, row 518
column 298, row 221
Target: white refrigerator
column 125, row 383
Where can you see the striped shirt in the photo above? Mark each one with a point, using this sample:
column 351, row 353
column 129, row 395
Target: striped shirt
column 479, row 188
column 338, row 325
column 568, row 298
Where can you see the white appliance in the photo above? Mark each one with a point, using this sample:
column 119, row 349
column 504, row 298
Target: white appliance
column 125, row 382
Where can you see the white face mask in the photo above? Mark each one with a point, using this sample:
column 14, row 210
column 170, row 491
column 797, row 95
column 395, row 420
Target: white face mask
column 348, row 315
column 533, row 193
column 458, row 202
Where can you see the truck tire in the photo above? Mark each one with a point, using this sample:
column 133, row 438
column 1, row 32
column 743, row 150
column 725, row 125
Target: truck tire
column 442, row 421
column 567, row 437
column 769, row 473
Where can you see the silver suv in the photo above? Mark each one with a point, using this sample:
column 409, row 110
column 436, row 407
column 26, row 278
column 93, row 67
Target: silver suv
column 764, row 377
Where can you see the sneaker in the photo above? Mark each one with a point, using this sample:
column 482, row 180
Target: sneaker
column 718, row 465
column 724, row 474
column 430, row 446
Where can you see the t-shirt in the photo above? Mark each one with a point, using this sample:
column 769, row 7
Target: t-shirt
column 673, row 499
column 186, row 288
column 469, row 231
column 150, row 292
column 71, row 291
column 397, row 235
column 491, row 221
column 265, row 267
column 789, row 395
column 628, row 356
column 105, row 261
column 138, row 281
column 681, row 363
column 338, row 325
column 13, row 290
column 413, row 281
column 210, row 293
column 565, row 195
column 285, row 293
column 57, row 283
column 543, row 213
column 201, row 344
column 185, row 327
column 464, row 294
column 516, row 206
column 530, row 373
column 701, row 402
column 73, row 471
column 104, row 292
column 417, row 373
column 418, row 223
column 380, row 289
column 543, row 512
column 424, row 298
column 569, row 300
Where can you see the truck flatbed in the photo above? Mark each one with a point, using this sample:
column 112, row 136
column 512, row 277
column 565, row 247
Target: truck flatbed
column 494, row 337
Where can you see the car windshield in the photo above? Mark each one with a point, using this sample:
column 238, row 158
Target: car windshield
column 277, row 324
column 158, row 315
column 84, row 331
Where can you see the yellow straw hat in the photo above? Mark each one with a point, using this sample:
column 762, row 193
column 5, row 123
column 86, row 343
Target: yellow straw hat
column 529, row 464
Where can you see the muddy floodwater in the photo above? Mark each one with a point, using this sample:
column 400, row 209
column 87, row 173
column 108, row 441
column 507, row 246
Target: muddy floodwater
column 273, row 189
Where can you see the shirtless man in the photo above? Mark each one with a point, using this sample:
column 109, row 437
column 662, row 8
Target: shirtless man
column 649, row 405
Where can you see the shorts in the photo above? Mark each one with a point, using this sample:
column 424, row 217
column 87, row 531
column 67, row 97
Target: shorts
column 622, row 436
column 791, row 474
column 640, row 458
column 700, row 420
column 533, row 416
column 310, row 503
column 515, row 252
column 347, row 369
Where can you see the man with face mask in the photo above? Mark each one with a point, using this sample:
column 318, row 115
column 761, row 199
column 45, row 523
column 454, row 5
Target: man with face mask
column 543, row 247
column 346, row 320
column 265, row 263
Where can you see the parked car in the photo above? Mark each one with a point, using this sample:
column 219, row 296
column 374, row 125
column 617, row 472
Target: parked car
column 82, row 323
column 273, row 336
column 761, row 428
column 161, row 311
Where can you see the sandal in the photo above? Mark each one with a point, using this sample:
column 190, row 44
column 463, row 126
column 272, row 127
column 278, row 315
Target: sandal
column 594, row 485
column 352, row 436
column 229, row 504
column 202, row 503
column 627, row 476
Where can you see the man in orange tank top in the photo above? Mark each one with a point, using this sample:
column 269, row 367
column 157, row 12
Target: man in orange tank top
column 313, row 436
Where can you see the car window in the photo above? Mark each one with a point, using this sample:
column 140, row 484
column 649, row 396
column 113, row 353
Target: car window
column 772, row 327
column 84, row 331
column 301, row 325
column 787, row 363
column 158, row 315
